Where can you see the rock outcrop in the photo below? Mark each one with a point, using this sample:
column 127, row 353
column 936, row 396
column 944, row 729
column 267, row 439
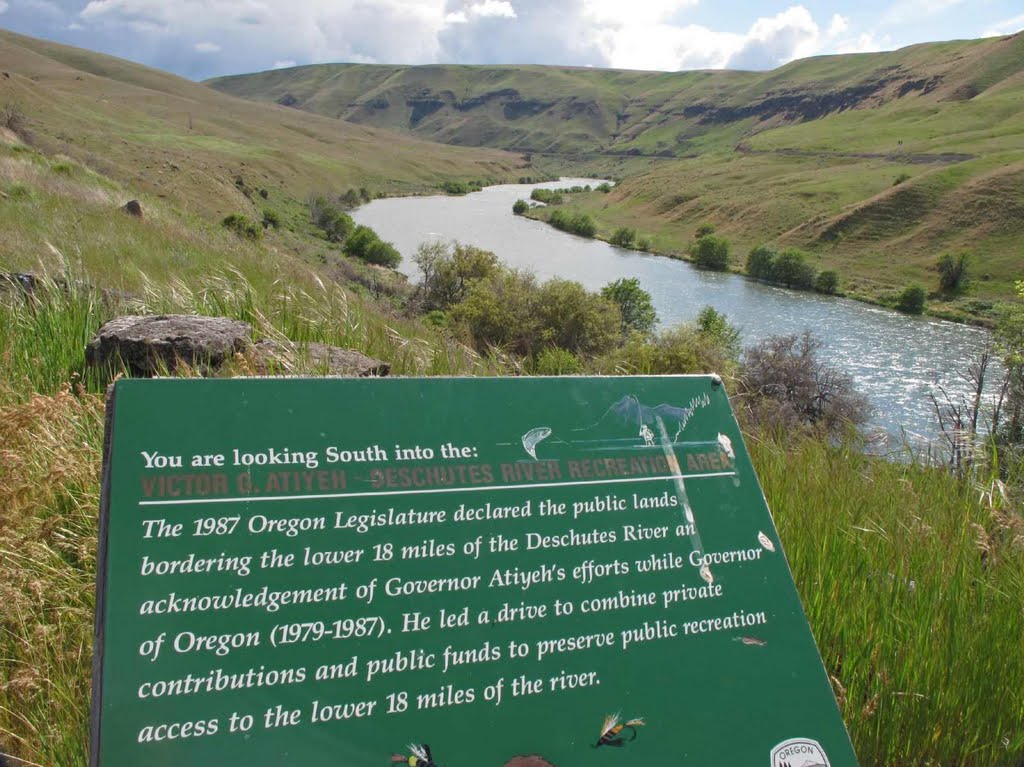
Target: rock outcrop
column 289, row 357
column 154, row 345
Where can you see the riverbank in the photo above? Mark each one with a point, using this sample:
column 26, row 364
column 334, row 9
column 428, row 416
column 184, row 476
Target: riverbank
column 675, row 245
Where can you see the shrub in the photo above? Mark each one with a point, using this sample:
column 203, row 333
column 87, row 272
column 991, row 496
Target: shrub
column 715, row 326
column 785, row 383
column 624, row 237
column 634, row 304
column 704, row 230
column 351, row 199
column 554, row 361
column 460, row 187
column 677, row 350
column 243, row 226
column 792, row 270
column 574, row 223
column 365, row 245
column 335, row 224
column 900, row 179
column 644, row 244
column 761, row 263
column 510, row 311
column 827, row 282
column 13, row 117
column 450, row 270
column 911, row 300
column 271, row 219
column 547, row 196
column 383, row 254
column 604, row 187
column 519, row 207
column 711, row 252
column 953, row 272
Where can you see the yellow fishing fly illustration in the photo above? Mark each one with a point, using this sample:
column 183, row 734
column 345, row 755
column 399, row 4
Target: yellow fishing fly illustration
column 419, row 756
column 612, row 731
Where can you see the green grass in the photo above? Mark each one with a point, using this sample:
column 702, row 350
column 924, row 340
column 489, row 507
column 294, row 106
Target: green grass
column 912, row 579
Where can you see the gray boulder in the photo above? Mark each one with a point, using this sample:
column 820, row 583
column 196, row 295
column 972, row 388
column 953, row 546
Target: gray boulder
column 152, row 345
column 290, row 357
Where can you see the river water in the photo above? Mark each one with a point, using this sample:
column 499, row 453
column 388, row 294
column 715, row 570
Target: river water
column 896, row 360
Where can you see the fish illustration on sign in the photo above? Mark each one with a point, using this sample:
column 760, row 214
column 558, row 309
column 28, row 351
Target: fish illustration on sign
column 533, row 437
column 766, row 542
column 419, row 756
column 612, row 731
column 726, row 445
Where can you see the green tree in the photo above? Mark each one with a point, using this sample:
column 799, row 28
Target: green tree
column 761, row 263
column 912, row 300
column 519, row 207
column 953, row 272
column 724, row 335
column 449, row 270
column 573, row 318
column 792, row 270
column 329, row 218
column 638, row 314
column 624, row 237
column 827, row 282
column 554, row 361
column 383, row 254
column 711, row 252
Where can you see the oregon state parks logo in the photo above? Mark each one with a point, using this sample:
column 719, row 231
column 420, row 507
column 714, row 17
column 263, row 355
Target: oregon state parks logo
column 799, row 752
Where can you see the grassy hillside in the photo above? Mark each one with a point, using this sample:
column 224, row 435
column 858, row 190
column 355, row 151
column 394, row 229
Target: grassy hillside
column 806, row 155
column 176, row 139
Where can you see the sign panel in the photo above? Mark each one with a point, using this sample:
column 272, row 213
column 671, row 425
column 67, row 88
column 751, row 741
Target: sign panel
column 446, row 573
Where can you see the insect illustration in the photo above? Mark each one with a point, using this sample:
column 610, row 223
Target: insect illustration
column 419, row 756
column 612, row 731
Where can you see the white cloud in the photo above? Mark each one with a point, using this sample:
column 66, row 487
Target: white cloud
column 3, row 6
column 490, row 9
column 284, row 64
column 839, row 25
column 864, row 43
column 1005, row 27
column 207, row 47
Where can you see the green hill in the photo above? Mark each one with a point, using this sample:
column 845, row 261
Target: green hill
column 184, row 141
column 806, row 155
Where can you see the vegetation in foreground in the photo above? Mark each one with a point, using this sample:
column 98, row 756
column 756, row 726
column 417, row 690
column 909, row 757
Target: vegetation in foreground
column 912, row 578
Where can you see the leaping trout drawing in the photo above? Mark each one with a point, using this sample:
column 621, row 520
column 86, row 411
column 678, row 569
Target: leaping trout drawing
column 612, row 731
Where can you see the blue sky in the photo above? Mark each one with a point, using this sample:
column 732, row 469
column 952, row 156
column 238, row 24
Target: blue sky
column 203, row 38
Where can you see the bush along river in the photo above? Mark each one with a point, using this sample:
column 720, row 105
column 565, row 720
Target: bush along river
column 896, row 360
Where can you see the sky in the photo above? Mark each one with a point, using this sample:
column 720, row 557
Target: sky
column 205, row 38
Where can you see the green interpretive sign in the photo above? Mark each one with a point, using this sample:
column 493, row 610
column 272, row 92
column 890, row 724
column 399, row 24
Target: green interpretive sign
column 446, row 572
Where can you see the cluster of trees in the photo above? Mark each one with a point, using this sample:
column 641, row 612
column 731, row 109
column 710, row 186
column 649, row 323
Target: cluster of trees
column 791, row 268
column 547, row 196
column 461, row 187
column 574, row 223
column 360, row 242
column 558, row 327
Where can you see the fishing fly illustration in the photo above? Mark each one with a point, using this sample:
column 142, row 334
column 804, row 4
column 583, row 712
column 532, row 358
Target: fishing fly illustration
column 612, row 731
column 419, row 756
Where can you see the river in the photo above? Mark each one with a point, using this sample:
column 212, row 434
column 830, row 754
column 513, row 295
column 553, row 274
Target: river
column 895, row 359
